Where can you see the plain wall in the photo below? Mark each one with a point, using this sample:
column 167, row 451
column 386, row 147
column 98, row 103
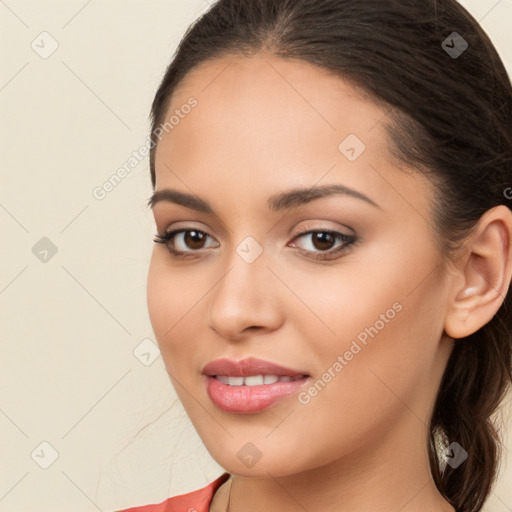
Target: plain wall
column 72, row 321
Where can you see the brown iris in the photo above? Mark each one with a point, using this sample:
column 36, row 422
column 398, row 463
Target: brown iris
column 324, row 239
column 194, row 239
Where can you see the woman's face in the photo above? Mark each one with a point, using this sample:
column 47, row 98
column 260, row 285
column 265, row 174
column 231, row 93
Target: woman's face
column 357, row 306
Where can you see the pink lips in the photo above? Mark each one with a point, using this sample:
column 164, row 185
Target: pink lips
column 244, row 399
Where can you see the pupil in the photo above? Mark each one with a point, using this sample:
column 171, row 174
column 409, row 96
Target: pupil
column 324, row 238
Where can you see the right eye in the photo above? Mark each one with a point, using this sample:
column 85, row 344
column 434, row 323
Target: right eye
column 179, row 240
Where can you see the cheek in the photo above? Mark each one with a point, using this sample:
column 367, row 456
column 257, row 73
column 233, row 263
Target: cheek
column 384, row 321
column 355, row 300
column 177, row 301
column 170, row 300
column 161, row 298
column 352, row 403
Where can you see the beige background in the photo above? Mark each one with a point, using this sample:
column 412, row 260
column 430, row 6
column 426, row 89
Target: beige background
column 72, row 326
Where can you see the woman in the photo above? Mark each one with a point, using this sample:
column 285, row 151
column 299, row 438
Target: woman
column 330, row 287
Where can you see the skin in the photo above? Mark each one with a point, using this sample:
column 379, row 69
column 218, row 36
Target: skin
column 265, row 125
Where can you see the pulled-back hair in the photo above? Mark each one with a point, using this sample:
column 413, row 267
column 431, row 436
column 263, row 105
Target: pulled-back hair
column 449, row 116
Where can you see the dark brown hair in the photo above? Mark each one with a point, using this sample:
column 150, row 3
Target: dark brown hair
column 450, row 116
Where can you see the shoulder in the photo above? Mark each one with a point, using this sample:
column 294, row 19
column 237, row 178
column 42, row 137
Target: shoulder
column 195, row 501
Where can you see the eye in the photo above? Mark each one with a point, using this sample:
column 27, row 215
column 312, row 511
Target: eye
column 322, row 243
column 181, row 242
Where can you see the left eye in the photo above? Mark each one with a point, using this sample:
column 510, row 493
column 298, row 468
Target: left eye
column 323, row 241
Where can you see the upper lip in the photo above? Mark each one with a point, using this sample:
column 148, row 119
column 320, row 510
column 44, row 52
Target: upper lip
column 246, row 367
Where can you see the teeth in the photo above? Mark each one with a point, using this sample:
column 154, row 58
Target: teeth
column 254, row 380
column 235, row 381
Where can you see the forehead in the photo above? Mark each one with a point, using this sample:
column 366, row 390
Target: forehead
column 271, row 102
column 275, row 123
column 279, row 89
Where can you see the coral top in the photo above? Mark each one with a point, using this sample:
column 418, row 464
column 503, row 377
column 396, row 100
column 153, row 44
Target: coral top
column 195, row 501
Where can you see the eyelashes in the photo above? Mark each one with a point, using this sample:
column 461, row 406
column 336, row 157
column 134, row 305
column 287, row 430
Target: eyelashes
column 188, row 237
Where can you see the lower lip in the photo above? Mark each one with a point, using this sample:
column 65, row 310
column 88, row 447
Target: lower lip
column 250, row 399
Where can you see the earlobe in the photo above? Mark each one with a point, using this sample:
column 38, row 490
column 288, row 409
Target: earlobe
column 483, row 274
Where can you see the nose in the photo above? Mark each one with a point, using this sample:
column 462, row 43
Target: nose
column 245, row 300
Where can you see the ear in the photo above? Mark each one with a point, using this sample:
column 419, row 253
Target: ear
column 482, row 274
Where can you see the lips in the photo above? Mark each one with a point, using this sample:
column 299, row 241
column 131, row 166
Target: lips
column 251, row 385
column 248, row 367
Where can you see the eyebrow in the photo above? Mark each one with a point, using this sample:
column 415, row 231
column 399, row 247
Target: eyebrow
column 281, row 201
